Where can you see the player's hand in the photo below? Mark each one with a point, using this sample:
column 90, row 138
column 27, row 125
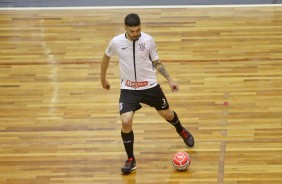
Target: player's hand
column 105, row 84
column 173, row 86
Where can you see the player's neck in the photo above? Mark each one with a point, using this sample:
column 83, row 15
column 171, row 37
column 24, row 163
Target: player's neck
column 128, row 37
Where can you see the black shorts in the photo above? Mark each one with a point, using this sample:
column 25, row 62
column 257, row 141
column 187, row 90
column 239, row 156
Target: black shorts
column 130, row 99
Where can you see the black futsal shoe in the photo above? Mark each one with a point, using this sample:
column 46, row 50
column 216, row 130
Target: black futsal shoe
column 187, row 137
column 129, row 166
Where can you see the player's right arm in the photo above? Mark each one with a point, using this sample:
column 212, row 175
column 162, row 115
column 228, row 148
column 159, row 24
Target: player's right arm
column 104, row 67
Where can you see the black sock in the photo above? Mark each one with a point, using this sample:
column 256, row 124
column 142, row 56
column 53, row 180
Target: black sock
column 128, row 140
column 176, row 123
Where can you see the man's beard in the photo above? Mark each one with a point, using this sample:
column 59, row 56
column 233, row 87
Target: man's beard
column 135, row 38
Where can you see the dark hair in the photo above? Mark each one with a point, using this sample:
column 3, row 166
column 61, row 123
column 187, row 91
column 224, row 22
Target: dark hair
column 132, row 20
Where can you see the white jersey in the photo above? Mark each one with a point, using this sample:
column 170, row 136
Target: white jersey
column 135, row 61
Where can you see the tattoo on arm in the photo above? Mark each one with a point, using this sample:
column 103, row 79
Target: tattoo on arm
column 161, row 69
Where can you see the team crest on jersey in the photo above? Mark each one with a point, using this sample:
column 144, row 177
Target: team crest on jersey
column 142, row 46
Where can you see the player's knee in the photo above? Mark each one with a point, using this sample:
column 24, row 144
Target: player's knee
column 126, row 123
column 126, row 126
column 127, row 119
column 167, row 114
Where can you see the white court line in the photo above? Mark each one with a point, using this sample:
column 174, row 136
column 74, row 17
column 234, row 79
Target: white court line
column 138, row 7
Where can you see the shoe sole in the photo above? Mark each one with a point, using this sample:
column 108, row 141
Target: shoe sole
column 128, row 171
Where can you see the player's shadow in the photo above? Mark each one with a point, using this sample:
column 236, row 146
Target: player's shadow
column 129, row 178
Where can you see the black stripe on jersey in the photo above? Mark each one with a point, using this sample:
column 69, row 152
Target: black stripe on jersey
column 134, row 60
column 152, row 62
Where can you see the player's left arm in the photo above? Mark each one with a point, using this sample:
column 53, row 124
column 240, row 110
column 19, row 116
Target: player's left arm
column 161, row 69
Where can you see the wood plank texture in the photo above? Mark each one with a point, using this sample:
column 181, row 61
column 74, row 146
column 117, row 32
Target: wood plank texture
column 57, row 124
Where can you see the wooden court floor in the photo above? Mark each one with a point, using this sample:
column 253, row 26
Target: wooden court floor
column 58, row 126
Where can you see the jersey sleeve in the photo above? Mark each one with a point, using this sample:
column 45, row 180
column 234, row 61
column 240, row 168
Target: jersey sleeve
column 153, row 51
column 110, row 50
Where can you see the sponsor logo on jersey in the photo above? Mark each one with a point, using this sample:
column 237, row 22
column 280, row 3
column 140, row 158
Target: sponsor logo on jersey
column 135, row 84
